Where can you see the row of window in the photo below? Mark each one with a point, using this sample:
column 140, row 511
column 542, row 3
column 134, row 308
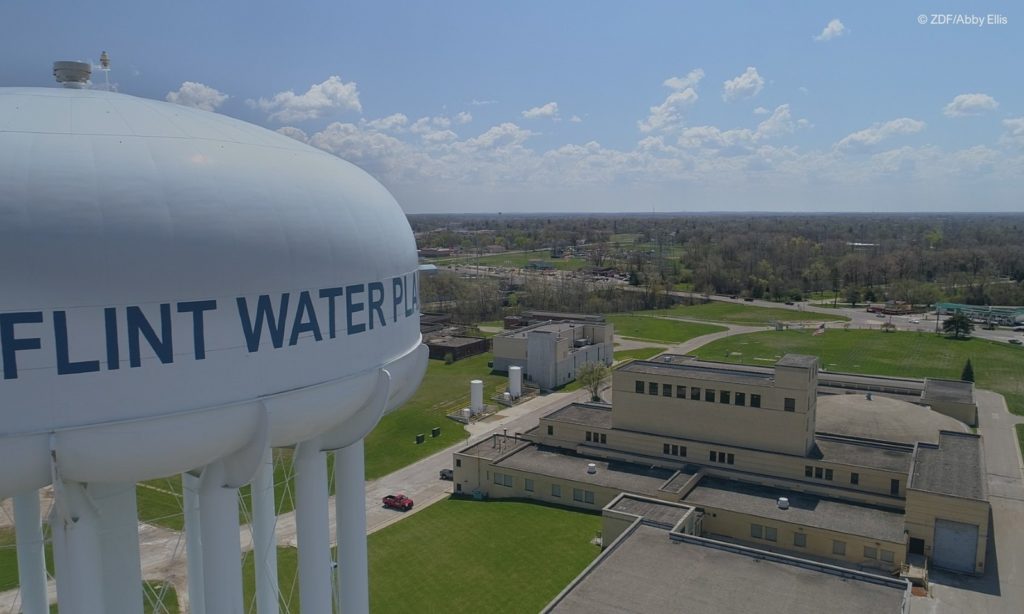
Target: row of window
column 771, row 534
column 580, row 495
column 710, row 395
column 597, row 437
column 722, row 457
column 822, row 473
column 672, row 449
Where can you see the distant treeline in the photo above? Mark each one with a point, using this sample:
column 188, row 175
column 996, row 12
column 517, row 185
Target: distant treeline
column 917, row 258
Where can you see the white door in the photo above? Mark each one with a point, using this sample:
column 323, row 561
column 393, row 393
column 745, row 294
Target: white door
column 956, row 544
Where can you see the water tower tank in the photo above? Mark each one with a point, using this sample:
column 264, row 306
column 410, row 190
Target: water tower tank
column 180, row 286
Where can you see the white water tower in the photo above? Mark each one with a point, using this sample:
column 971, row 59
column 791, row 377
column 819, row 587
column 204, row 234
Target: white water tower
column 515, row 381
column 476, row 396
column 182, row 292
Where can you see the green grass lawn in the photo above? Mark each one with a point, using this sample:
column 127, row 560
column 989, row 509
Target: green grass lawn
column 658, row 329
column 997, row 366
column 445, row 389
column 734, row 313
column 430, row 561
column 475, row 556
column 638, row 353
column 9, row 558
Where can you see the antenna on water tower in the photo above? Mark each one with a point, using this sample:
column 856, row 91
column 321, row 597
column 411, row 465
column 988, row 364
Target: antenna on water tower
column 105, row 67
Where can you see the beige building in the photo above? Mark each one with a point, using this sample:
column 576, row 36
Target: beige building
column 550, row 352
column 890, row 486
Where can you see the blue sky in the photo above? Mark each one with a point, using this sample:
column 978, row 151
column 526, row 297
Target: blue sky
column 590, row 106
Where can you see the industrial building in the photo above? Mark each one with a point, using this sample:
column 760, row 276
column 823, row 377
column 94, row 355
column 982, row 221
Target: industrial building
column 782, row 460
column 551, row 351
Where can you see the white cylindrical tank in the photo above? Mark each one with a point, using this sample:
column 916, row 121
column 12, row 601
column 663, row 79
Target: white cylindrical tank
column 178, row 284
column 476, row 396
column 515, row 381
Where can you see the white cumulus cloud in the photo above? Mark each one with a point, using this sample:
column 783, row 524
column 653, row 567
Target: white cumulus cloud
column 879, row 132
column 575, row 119
column 834, row 29
column 546, row 110
column 197, row 96
column 463, row 117
column 970, row 104
column 1014, row 131
column 747, row 85
column 320, row 100
column 668, row 114
column 761, row 111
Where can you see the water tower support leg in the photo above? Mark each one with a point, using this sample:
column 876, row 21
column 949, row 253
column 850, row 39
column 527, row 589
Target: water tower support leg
column 28, row 528
column 77, row 552
column 312, row 527
column 119, row 539
column 222, row 545
column 193, row 542
column 350, row 502
column 264, row 542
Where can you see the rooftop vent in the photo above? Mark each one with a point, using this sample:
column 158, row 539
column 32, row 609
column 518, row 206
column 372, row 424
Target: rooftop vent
column 783, row 503
column 72, row 74
column 591, row 468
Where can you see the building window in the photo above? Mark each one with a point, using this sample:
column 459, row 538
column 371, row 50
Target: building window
column 709, row 395
column 723, row 397
column 819, row 472
column 666, row 390
column 528, row 485
column 577, row 494
column 712, row 456
column 588, row 496
column 771, row 534
column 694, row 393
column 497, row 478
column 790, row 404
column 870, row 553
column 502, row 480
column 604, row 438
column 755, row 400
column 652, row 388
column 509, row 481
column 741, row 398
column 458, row 462
column 894, row 487
column 730, row 459
column 887, row 556
column 800, row 540
column 808, row 471
column 838, row 547
column 588, row 435
column 828, row 474
column 639, row 386
column 665, row 448
column 556, row 490
column 551, row 430
column 756, row 531
column 854, row 478
column 680, row 392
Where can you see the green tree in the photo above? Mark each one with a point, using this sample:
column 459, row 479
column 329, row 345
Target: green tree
column 888, row 327
column 591, row 376
column 852, row 296
column 958, row 325
column 968, row 374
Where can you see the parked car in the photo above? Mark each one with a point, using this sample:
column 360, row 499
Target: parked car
column 749, row 299
column 915, row 321
column 446, row 474
column 1018, row 329
column 879, row 315
column 1016, row 342
column 789, row 302
column 398, row 502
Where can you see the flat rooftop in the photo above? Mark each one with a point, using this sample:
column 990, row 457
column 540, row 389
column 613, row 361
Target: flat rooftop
column 548, row 327
column 700, row 371
column 493, row 447
column 862, row 453
column 802, row 361
column 646, row 571
column 804, row 509
column 948, row 391
column 454, row 342
column 551, row 462
column 559, row 315
column 583, row 413
column 953, row 467
column 658, row 512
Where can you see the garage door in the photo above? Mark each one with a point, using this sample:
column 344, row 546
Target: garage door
column 956, row 544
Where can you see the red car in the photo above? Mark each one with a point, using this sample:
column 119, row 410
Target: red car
column 398, row 502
